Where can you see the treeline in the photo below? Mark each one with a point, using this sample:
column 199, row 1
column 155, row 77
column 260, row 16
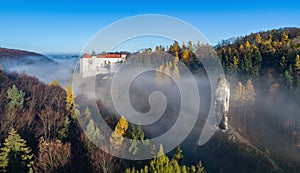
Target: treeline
column 274, row 55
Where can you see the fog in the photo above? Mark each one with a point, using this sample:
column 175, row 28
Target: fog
column 180, row 97
column 57, row 67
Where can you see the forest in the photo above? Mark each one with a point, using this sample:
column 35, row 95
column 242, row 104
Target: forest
column 39, row 129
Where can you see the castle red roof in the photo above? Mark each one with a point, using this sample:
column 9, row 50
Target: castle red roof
column 112, row 55
column 86, row 56
column 108, row 55
column 100, row 56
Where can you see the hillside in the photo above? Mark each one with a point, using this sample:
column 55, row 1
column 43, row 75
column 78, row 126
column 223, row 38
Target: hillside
column 45, row 68
column 15, row 53
column 12, row 57
column 272, row 54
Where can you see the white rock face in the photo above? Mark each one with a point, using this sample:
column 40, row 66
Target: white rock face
column 222, row 96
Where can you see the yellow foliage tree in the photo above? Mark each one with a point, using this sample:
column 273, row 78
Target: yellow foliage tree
column 176, row 60
column 297, row 64
column 235, row 63
column 247, row 44
column 185, row 56
column 241, row 47
column 249, row 92
column 170, row 65
column 238, row 95
column 161, row 67
column 285, row 37
column 116, row 138
column 258, row 38
column 167, row 72
column 54, row 83
column 176, row 73
column 69, row 98
column 159, row 76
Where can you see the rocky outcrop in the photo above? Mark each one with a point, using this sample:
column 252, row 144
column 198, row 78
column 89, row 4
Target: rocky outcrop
column 222, row 96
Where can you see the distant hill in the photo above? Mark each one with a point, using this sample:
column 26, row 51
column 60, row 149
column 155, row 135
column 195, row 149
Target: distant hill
column 7, row 56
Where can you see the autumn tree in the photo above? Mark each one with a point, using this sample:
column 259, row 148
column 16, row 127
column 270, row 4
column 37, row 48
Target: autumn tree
column 249, row 95
column 72, row 110
column 249, row 92
column 167, row 73
column 243, row 99
column 238, row 95
column 285, row 37
column 190, row 47
column 49, row 118
column 176, row 73
column 297, row 71
column 297, row 65
column 247, row 45
column 159, row 48
column 258, row 38
column 54, row 83
column 167, row 69
column 15, row 156
column 102, row 161
column 235, row 64
column 174, row 48
column 241, row 48
column 53, row 156
column 116, row 138
column 185, row 56
column 69, row 98
column 159, row 75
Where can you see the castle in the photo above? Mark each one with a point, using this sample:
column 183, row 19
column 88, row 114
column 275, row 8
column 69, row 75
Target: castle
column 91, row 65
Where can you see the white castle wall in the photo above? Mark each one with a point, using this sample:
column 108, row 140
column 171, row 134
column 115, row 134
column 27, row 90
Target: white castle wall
column 93, row 66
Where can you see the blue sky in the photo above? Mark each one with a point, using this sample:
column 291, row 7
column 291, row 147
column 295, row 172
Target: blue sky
column 66, row 26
